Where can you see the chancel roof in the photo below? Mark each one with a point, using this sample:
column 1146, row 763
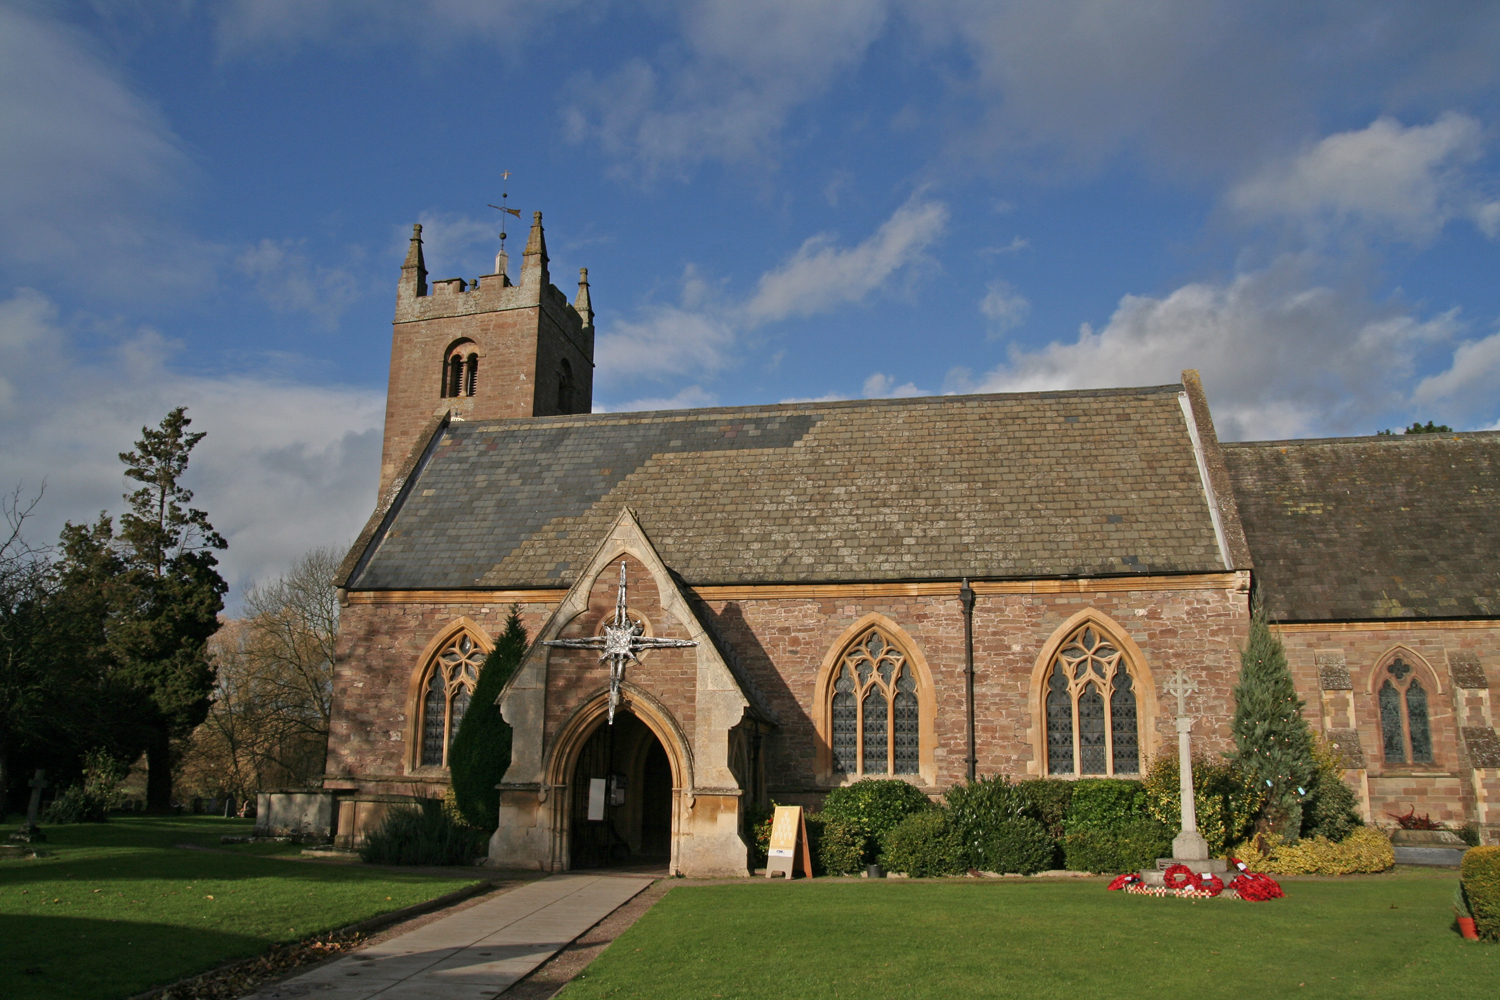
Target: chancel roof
column 1372, row 528
column 1089, row 483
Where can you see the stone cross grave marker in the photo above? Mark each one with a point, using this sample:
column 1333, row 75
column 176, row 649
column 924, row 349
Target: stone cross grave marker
column 30, row 831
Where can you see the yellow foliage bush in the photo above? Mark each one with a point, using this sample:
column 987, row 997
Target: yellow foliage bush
column 1364, row 850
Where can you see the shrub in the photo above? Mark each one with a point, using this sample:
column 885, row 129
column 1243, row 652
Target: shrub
column 1363, row 851
column 480, row 754
column 759, row 819
column 1131, row 846
column 91, row 800
column 837, row 847
column 1225, row 799
column 873, row 806
column 1047, row 801
column 421, row 834
column 1105, row 804
column 1331, row 810
column 1480, row 871
column 976, row 808
column 1020, row 846
column 923, row 845
column 1469, row 834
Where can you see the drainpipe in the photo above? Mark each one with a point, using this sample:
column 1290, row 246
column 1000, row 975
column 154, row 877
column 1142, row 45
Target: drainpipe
column 966, row 597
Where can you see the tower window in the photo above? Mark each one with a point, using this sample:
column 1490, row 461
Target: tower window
column 460, row 372
column 564, row 387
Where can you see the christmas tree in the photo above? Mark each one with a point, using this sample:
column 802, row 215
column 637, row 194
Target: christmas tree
column 481, row 751
column 1275, row 745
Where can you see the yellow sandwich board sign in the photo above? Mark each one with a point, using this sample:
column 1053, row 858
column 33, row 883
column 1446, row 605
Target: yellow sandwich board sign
column 788, row 843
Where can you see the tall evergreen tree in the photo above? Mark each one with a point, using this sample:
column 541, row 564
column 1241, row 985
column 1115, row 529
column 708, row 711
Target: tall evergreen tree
column 1275, row 745
column 148, row 599
column 480, row 754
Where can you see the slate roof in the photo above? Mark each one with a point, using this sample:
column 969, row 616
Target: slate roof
column 1356, row 529
column 1095, row 483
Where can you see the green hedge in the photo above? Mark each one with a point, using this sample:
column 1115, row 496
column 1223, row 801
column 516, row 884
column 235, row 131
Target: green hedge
column 923, row 845
column 873, row 806
column 1105, row 804
column 1480, row 871
column 1131, row 846
column 1047, row 801
column 837, row 847
column 1015, row 846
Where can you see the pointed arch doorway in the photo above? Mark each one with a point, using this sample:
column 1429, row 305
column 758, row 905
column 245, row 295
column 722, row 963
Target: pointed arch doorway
column 627, row 767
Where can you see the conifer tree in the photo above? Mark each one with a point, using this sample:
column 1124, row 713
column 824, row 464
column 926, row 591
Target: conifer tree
column 1275, row 745
column 480, row 754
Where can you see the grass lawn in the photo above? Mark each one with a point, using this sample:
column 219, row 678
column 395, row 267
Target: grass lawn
column 1387, row 936
column 118, row 909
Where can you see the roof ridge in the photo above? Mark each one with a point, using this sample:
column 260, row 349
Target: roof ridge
column 1364, row 439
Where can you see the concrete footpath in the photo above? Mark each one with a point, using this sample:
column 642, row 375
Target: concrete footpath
column 477, row 952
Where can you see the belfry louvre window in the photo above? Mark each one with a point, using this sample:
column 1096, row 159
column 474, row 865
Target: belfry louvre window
column 1093, row 722
column 1405, row 729
column 461, row 372
column 874, row 712
column 445, row 697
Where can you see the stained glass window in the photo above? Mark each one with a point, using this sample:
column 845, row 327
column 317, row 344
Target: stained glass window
column 1093, row 720
column 1123, row 730
column 845, row 725
column 1390, row 724
column 1405, row 727
column 1059, row 723
column 874, row 712
column 1416, row 724
column 454, row 673
column 908, row 738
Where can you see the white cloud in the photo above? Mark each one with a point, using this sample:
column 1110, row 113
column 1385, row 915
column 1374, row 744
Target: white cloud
column 1407, row 182
column 689, row 398
column 1279, row 356
column 289, row 282
column 667, row 341
column 1466, row 391
column 1004, row 307
column 1016, row 245
column 747, row 65
column 821, row 276
column 284, row 466
column 90, row 173
column 700, row 336
column 284, row 25
column 881, row 386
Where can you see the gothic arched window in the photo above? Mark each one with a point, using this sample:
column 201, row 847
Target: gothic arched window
column 873, row 710
column 1405, row 728
column 445, row 696
column 1091, row 708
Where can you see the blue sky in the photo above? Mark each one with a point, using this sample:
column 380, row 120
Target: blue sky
column 776, row 199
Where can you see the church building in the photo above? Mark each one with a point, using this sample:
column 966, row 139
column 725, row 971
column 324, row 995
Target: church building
column 740, row 604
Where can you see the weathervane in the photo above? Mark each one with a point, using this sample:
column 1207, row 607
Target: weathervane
column 621, row 641
column 503, row 258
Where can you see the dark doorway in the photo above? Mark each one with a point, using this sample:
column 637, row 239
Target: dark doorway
column 624, row 769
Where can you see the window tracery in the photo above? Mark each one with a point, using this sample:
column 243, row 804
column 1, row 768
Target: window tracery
column 874, row 711
column 1091, row 708
column 1405, row 726
column 449, row 686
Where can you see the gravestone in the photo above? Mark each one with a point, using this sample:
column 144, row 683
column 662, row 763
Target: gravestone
column 1188, row 847
column 30, row 832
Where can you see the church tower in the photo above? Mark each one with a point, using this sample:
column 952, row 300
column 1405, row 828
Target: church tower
column 486, row 350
